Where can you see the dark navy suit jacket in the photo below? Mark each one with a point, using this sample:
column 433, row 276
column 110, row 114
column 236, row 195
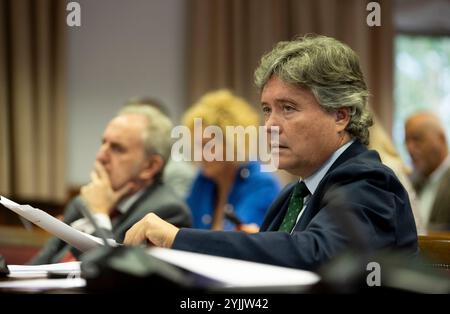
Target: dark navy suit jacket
column 359, row 201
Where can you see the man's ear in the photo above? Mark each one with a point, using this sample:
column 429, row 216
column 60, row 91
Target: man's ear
column 342, row 118
column 154, row 166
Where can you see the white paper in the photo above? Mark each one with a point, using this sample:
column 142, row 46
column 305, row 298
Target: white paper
column 80, row 240
column 236, row 273
column 43, row 284
column 230, row 273
column 21, row 271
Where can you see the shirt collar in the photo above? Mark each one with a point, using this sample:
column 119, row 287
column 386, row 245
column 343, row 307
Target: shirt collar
column 126, row 203
column 313, row 180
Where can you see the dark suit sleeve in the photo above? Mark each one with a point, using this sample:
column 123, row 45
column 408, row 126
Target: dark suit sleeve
column 304, row 250
column 55, row 248
column 374, row 211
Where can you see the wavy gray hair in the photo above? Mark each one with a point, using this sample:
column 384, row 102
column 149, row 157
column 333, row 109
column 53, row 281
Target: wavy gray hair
column 327, row 67
column 157, row 139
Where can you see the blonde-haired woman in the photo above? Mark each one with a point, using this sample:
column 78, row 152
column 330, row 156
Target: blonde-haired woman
column 228, row 195
column 382, row 143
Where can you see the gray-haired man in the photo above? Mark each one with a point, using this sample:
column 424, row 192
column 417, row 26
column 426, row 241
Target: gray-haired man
column 126, row 181
column 313, row 90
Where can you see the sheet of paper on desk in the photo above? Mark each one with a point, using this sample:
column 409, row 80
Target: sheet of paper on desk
column 80, row 240
column 21, row 271
column 236, row 273
column 38, row 285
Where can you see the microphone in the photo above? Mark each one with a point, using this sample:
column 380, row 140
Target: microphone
column 126, row 269
column 88, row 215
column 231, row 215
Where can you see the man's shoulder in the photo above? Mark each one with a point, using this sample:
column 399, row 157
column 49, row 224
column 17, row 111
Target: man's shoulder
column 164, row 202
column 357, row 156
column 159, row 196
column 363, row 165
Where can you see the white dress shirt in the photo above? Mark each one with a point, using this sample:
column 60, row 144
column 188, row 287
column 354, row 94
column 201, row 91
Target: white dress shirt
column 313, row 180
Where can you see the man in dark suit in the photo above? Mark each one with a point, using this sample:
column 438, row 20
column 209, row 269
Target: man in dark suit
column 427, row 145
column 313, row 92
column 126, row 182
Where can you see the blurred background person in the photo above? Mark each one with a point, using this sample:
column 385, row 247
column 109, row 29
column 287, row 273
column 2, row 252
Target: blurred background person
column 125, row 183
column 382, row 143
column 177, row 174
column 223, row 189
column 427, row 144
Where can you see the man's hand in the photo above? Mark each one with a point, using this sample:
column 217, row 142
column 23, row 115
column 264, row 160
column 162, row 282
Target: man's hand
column 249, row 228
column 154, row 229
column 98, row 194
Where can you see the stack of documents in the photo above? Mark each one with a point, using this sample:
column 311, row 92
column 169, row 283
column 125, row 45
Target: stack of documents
column 33, row 278
column 27, row 271
column 41, row 285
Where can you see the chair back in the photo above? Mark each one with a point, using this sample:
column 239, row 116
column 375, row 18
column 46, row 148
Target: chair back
column 435, row 248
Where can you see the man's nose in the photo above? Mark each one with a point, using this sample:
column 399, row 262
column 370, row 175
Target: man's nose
column 272, row 124
column 102, row 153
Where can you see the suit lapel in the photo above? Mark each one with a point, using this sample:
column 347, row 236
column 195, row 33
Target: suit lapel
column 311, row 210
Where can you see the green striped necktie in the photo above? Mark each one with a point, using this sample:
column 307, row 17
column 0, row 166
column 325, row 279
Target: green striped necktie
column 294, row 208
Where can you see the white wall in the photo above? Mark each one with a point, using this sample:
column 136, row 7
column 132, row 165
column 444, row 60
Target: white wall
column 122, row 49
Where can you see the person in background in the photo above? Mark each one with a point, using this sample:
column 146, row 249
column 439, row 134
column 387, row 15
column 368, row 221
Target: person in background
column 314, row 93
column 382, row 143
column 179, row 175
column 427, row 145
column 125, row 183
column 228, row 195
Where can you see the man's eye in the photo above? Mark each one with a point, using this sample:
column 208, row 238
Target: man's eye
column 266, row 110
column 288, row 108
column 117, row 148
